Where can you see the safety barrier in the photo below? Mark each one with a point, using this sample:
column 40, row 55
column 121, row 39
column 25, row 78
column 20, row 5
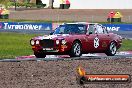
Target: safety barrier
column 118, row 27
column 26, row 27
column 46, row 28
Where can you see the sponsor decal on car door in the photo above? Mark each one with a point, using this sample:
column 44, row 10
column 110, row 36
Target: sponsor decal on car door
column 96, row 42
column 92, row 43
column 104, row 38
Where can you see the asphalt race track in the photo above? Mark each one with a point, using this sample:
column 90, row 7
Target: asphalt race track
column 119, row 55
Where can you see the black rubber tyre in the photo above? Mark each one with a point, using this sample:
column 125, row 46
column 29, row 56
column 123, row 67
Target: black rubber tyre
column 39, row 55
column 80, row 80
column 76, row 50
column 112, row 49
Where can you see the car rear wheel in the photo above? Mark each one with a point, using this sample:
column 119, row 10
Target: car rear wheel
column 112, row 49
column 75, row 50
column 39, row 55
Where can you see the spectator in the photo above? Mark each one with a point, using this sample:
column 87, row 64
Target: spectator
column 110, row 17
column 117, row 17
column 5, row 13
column 67, row 5
column 62, row 2
column 1, row 12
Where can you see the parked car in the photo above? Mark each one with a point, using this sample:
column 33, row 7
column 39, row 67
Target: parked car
column 75, row 39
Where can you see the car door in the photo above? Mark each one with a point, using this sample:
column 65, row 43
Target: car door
column 92, row 39
column 103, row 37
column 97, row 39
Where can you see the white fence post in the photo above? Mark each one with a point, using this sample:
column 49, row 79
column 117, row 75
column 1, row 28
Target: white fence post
column 129, row 17
column 92, row 18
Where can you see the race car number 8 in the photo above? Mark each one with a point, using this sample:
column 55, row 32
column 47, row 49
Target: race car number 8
column 96, row 42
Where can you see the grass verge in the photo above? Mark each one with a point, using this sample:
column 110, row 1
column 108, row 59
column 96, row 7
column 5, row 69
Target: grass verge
column 15, row 44
column 126, row 46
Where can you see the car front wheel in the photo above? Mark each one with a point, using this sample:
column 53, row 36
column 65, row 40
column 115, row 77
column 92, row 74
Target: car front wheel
column 75, row 50
column 112, row 49
column 39, row 55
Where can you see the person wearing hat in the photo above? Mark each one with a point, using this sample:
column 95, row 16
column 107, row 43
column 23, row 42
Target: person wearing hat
column 1, row 10
column 67, row 4
column 62, row 2
column 117, row 17
column 110, row 17
column 4, row 13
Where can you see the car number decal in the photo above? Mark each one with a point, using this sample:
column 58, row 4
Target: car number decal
column 96, row 42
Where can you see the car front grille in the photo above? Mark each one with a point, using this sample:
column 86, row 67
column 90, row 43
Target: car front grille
column 47, row 43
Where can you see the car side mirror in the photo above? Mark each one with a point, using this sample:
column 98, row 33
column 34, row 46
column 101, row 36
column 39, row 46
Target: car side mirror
column 90, row 32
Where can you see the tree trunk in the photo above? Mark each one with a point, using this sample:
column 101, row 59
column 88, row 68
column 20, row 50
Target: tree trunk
column 51, row 4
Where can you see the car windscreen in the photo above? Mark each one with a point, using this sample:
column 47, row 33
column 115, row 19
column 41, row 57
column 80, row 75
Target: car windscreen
column 70, row 29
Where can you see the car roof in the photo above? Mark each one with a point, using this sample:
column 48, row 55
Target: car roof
column 85, row 23
column 81, row 23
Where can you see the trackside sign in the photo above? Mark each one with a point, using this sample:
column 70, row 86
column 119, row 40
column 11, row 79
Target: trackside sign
column 118, row 27
column 25, row 26
column 113, row 28
column 48, row 26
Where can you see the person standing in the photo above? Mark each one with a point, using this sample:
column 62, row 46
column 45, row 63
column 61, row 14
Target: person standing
column 110, row 17
column 117, row 17
column 51, row 4
column 67, row 4
column 1, row 12
column 62, row 2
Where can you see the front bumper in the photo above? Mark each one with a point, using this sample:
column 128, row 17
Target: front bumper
column 58, row 49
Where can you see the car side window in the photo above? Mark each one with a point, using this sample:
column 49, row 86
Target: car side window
column 76, row 28
column 70, row 29
column 105, row 30
column 99, row 29
column 91, row 29
column 61, row 30
column 82, row 29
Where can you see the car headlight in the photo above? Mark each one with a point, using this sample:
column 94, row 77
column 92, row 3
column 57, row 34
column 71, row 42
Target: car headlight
column 57, row 42
column 37, row 42
column 63, row 42
column 32, row 42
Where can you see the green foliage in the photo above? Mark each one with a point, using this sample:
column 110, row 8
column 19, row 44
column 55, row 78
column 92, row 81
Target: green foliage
column 4, row 2
column 127, row 45
column 15, row 44
column 41, row 5
column 30, row 5
column 8, row 3
column 21, row 4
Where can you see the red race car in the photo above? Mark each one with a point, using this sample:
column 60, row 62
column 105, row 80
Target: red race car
column 75, row 39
